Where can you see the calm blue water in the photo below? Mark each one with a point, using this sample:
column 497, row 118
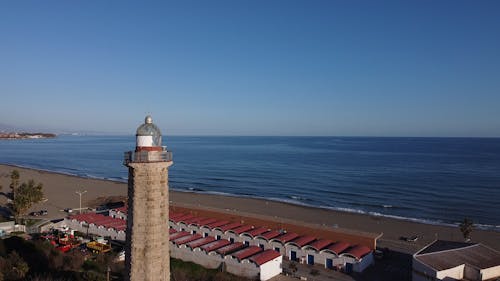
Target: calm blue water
column 436, row 180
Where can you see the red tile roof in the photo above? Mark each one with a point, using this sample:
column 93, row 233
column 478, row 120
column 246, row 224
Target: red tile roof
column 216, row 224
column 190, row 220
column 172, row 215
column 256, row 231
column 230, row 248
column 286, row 237
column 338, row 247
column 100, row 220
column 200, row 242
column 215, row 245
column 181, row 218
column 241, row 229
column 186, row 239
column 320, row 244
column 229, row 226
column 263, row 257
column 247, row 252
column 206, row 221
column 358, row 251
column 302, row 240
column 270, row 234
column 171, row 230
column 178, row 235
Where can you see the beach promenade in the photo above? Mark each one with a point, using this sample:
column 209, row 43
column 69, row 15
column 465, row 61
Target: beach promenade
column 60, row 193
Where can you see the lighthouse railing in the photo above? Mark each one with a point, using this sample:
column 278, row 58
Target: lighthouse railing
column 147, row 156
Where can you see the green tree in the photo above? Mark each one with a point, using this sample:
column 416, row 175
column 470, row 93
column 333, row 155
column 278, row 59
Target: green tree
column 14, row 181
column 466, row 227
column 15, row 267
column 27, row 194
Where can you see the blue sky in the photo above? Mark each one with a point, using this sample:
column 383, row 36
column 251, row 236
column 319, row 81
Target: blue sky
column 343, row 68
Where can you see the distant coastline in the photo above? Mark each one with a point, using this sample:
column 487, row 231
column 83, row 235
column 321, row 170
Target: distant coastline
column 20, row 136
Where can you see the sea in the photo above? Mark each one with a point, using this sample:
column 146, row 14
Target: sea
column 429, row 180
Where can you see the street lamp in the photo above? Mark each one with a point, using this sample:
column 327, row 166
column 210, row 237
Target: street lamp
column 80, row 192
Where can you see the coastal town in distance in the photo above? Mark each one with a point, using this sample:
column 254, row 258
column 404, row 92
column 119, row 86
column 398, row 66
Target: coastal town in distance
column 249, row 140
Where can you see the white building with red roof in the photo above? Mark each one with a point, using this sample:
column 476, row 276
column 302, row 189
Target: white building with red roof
column 294, row 251
column 278, row 244
column 97, row 224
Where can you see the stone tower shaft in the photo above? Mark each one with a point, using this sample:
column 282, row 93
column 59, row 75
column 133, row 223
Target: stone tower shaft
column 147, row 255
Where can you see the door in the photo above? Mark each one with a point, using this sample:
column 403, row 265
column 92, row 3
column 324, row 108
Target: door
column 293, row 255
column 329, row 263
column 310, row 259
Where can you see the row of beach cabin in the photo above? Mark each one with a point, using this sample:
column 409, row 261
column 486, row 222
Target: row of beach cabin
column 234, row 257
column 302, row 248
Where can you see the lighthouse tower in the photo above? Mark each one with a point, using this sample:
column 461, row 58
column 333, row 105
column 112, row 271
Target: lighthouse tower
column 147, row 250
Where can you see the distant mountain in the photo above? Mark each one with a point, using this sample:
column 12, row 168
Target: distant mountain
column 4, row 128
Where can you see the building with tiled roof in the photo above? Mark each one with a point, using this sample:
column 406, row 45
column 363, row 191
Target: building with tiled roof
column 448, row 260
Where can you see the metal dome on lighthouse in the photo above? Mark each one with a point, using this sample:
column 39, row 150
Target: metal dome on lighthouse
column 148, row 146
column 148, row 136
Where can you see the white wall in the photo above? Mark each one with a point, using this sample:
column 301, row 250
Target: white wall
column 365, row 262
column 271, row 268
column 275, row 244
column 455, row 272
column 490, row 273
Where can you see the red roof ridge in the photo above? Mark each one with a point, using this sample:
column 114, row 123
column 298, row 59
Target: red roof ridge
column 286, row 237
column 215, row 245
column 256, row 231
column 241, row 229
column 200, row 242
column 358, row 251
column 229, row 226
column 270, row 234
column 247, row 252
column 320, row 244
column 338, row 247
column 230, row 248
column 265, row 256
column 302, row 240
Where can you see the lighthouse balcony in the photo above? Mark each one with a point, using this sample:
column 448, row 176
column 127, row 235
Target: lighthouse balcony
column 147, row 156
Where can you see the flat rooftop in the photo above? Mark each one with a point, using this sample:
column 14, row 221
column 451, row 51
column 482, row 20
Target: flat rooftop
column 443, row 255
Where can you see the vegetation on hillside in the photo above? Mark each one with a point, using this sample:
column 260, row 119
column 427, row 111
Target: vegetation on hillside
column 38, row 260
column 23, row 195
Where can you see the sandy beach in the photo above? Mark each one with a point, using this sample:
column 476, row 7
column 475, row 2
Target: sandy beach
column 60, row 190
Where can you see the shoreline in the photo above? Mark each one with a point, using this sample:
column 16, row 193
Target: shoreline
column 485, row 227
column 60, row 188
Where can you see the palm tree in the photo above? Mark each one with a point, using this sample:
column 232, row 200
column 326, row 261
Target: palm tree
column 14, row 181
column 466, row 227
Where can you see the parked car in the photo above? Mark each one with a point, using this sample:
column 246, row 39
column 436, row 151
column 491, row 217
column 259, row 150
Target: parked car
column 68, row 210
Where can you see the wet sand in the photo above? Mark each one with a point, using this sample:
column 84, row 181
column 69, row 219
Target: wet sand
column 60, row 191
